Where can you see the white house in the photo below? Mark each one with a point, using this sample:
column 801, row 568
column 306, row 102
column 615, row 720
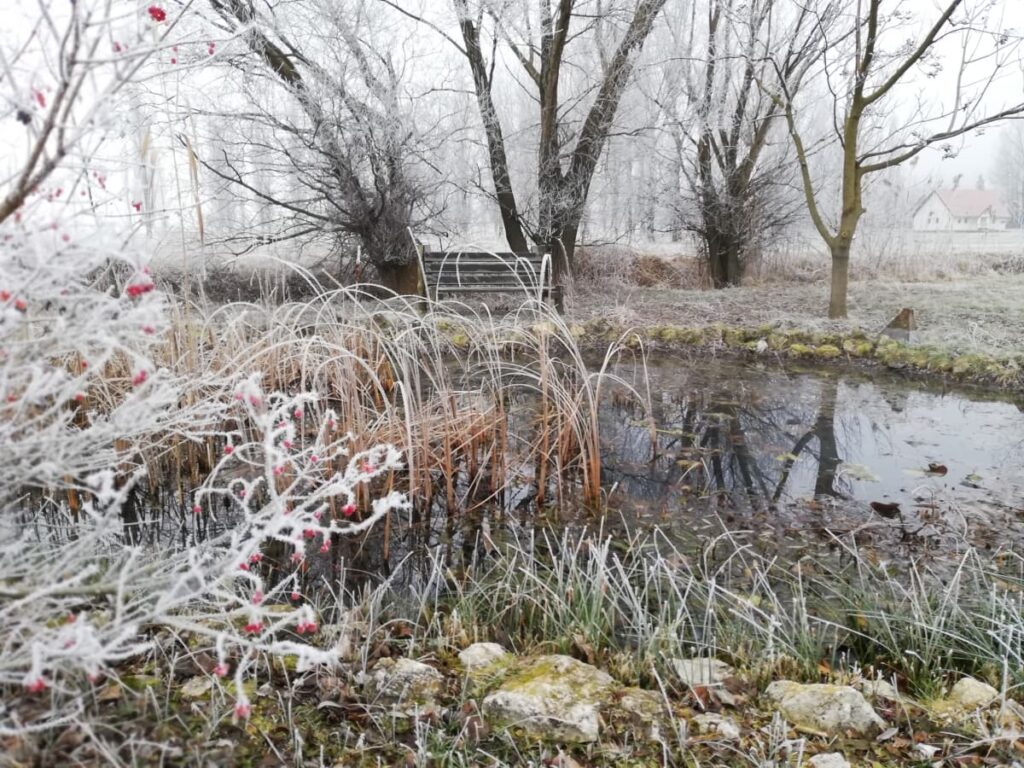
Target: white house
column 965, row 210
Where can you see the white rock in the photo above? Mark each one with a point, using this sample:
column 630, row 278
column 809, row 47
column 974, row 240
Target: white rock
column 829, row 760
column 553, row 697
column 832, row 709
column 716, row 725
column 408, row 686
column 482, row 655
column 969, row 693
column 196, row 687
column 878, row 689
column 701, row 672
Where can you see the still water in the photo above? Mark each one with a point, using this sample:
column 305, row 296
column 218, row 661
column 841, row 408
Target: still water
column 791, row 450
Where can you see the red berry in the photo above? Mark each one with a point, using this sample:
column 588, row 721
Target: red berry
column 296, row 596
column 156, row 13
column 348, row 510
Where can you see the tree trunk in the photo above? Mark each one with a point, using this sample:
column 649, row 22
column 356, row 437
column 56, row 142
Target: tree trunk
column 403, row 279
column 492, row 131
column 563, row 251
column 733, row 273
column 716, row 262
column 840, row 279
column 723, row 259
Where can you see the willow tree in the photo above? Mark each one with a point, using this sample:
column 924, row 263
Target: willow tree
column 337, row 154
column 885, row 64
column 736, row 179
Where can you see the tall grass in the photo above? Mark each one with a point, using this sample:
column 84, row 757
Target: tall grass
column 479, row 404
column 632, row 601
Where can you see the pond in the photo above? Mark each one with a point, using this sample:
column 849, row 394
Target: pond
column 791, row 451
column 789, row 460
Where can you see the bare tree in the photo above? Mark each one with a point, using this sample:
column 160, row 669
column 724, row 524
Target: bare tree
column 1008, row 170
column 345, row 156
column 736, row 181
column 872, row 68
column 569, row 140
column 83, row 74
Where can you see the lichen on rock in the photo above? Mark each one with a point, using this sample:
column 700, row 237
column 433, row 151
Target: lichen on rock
column 552, row 697
column 830, row 709
column 409, row 687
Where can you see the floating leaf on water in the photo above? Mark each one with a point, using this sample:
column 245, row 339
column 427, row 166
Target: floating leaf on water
column 858, row 472
column 886, row 509
column 937, row 469
column 973, row 480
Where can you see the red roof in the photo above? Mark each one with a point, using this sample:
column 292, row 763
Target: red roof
column 971, row 203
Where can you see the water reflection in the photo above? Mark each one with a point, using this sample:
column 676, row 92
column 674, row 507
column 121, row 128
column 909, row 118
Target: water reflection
column 759, row 440
column 789, row 455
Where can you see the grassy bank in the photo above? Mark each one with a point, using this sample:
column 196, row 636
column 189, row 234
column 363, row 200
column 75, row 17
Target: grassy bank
column 481, row 405
column 629, row 605
column 853, row 347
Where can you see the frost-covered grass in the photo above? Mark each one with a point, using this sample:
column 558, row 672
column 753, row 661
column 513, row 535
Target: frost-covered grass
column 982, row 314
column 627, row 603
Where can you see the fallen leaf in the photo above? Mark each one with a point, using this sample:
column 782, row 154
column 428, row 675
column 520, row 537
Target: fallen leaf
column 112, row 692
column 886, row 509
column 887, row 734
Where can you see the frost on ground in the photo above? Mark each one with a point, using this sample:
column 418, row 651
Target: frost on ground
column 982, row 314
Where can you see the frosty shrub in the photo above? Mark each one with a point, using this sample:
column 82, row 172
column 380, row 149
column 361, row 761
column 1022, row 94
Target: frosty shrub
column 88, row 392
